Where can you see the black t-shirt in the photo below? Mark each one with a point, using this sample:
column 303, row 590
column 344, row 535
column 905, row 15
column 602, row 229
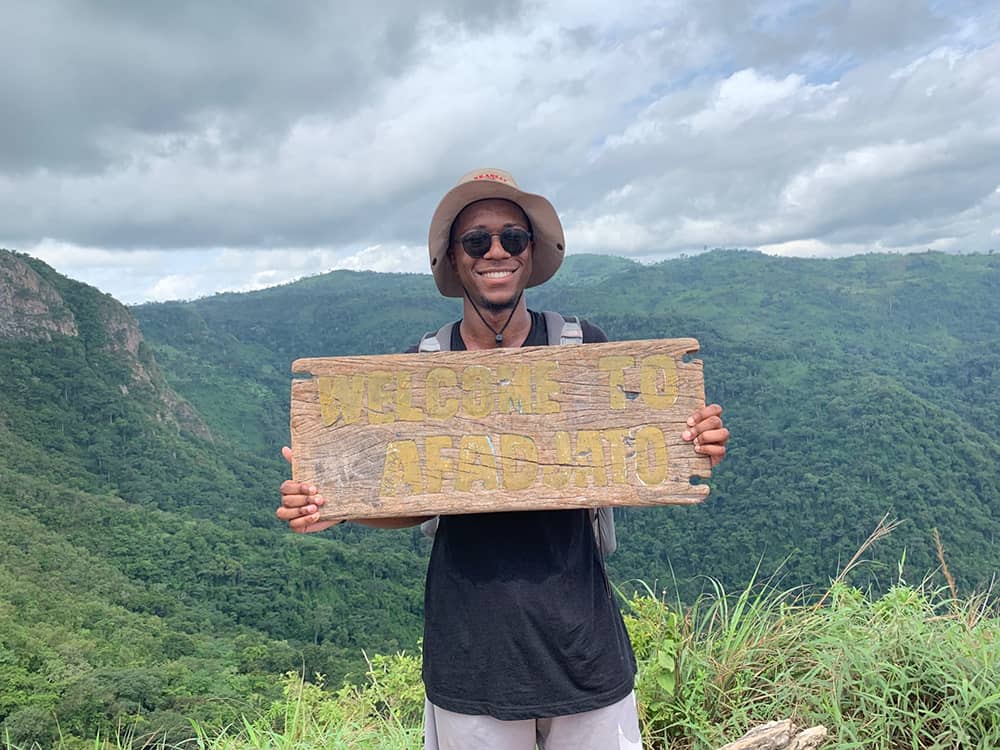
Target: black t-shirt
column 520, row 622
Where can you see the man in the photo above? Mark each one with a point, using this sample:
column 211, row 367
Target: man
column 523, row 641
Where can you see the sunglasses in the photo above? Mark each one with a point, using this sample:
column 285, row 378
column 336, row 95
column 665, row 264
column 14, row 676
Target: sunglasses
column 478, row 242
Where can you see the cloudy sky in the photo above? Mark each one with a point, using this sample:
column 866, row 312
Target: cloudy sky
column 172, row 150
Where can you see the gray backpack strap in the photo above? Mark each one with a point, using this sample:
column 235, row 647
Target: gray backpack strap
column 563, row 330
column 604, row 530
column 571, row 332
column 437, row 342
column 429, row 527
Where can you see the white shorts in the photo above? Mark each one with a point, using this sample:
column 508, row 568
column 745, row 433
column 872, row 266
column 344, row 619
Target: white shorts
column 614, row 727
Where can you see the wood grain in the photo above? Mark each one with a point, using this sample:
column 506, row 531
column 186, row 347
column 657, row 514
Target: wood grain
column 502, row 429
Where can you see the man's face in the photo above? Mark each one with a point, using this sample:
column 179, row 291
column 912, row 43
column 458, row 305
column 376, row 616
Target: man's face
column 495, row 280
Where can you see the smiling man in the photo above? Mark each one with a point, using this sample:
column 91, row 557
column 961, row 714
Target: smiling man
column 495, row 237
column 488, row 242
column 524, row 644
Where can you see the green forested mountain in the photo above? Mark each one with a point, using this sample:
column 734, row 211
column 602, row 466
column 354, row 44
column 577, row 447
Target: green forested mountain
column 142, row 571
column 854, row 387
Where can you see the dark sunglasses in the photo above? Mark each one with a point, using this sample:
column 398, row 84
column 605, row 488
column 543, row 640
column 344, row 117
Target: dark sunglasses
column 477, row 242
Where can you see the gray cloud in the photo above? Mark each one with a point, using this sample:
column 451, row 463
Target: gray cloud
column 83, row 77
column 328, row 131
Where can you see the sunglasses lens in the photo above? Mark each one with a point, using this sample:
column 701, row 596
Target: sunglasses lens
column 477, row 243
column 514, row 241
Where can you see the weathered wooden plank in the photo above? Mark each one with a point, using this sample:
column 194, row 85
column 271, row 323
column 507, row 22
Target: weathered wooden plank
column 502, row 429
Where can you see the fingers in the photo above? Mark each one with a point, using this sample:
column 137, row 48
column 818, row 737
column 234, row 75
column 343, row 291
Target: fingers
column 706, row 432
column 306, row 523
column 712, row 444
column 715, row 452
column 300, row 504
column 309, row 524
column 706, row 423
column 699, row 428
column 295, row 494
column 720, row 436
column 705, row 412
column 301, row 509
column 290, row 513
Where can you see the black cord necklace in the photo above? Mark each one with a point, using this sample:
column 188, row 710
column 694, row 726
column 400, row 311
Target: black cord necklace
column 498, row 334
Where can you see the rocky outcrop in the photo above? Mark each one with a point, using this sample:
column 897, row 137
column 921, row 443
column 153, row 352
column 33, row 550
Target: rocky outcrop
column 123, row 339
column 123, row 332
column 30, row 307
column 779, row 735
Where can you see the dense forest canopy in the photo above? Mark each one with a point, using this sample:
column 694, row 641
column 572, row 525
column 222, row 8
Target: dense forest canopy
column 142, row 571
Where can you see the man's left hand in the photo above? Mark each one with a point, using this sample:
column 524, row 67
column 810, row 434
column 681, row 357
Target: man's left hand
column 706, row 431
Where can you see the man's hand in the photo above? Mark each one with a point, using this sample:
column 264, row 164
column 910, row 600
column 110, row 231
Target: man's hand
column 300, row 507
column 706, row 430
column 300, row 504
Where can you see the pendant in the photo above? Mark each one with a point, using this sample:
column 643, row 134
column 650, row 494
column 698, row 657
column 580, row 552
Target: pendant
column 499, row 338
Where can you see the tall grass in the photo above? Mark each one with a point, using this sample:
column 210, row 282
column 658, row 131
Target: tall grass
column 911, row 669
column 916, row 668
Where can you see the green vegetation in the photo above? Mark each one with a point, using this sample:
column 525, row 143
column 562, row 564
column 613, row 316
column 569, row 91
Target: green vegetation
column 145, row 584
column 142, row 572
column 853, row 387
column 912, row 668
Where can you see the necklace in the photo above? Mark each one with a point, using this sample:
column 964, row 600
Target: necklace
column 498, row 334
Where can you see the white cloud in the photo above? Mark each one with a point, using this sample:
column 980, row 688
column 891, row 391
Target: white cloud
column 655, row 128
column 743, row 95
column 858, row 169
column 69, row 256
column 176, row 286
column 811, row 249
column 946, row 54
column 614, row 233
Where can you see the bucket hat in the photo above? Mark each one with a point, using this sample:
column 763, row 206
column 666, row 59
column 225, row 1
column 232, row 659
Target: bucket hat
column 480, row 184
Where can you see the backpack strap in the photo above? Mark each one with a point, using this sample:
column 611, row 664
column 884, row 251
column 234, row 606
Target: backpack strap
column 569, row 331
column 437, row 342
column 603, row 520
column 431, row 341
column 429, row 527
column 563, row 330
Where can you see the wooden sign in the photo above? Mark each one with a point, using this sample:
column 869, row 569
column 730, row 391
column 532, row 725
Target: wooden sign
column 499, row 429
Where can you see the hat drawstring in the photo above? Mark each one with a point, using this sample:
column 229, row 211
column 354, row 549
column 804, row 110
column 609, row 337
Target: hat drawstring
column 498, row 334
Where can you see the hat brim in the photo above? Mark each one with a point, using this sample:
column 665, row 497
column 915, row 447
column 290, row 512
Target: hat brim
column 546, row 230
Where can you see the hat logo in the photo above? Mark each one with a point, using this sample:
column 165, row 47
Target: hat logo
column 491, row 176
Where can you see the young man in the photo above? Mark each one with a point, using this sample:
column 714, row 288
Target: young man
column 523, row 641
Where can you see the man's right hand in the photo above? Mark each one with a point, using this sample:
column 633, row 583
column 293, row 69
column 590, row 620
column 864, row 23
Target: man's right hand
column 300, row 504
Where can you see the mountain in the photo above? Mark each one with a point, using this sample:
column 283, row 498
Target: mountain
column 853, row 387
column 142, row 572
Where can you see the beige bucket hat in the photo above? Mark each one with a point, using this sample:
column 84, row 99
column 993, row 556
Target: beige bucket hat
column 546, row 229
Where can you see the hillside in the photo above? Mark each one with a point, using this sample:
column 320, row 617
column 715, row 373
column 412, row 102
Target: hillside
column 853, row 387
column 142, row 572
